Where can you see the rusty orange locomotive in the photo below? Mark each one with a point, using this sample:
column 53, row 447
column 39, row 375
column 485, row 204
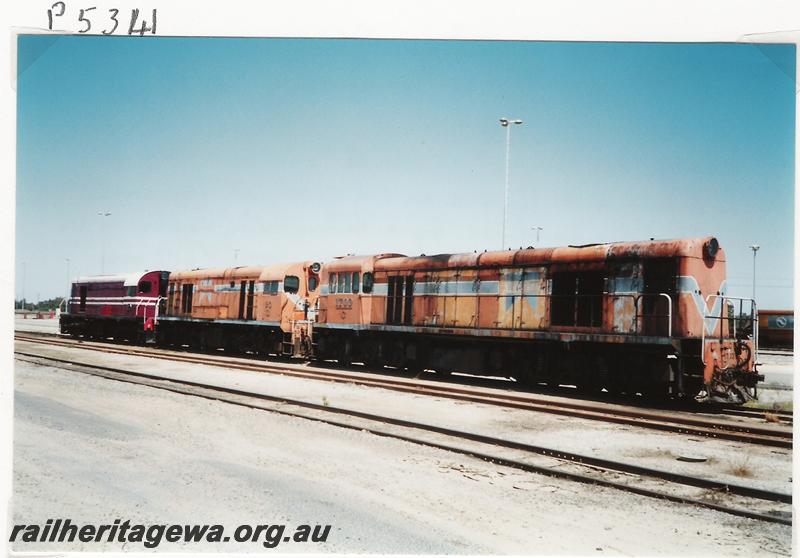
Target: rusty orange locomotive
column 649, row 317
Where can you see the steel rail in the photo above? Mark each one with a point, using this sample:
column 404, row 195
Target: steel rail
column 630, row 416
column 589, row 461
column 758, row 413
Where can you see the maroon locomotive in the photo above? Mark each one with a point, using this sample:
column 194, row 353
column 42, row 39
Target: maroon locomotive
column 120, row 306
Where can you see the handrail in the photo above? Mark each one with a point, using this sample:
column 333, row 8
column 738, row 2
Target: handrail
column 669, row 314
column 753, row 319
column 157, row 305
column 141, row 301
column 146, row 301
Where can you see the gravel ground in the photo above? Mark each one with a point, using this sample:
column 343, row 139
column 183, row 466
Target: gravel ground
column 34, row 325
column 95, row 450
column 766, row 467
column 778, row 370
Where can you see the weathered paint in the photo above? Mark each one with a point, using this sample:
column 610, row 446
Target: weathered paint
column 509, row 294
column 131, row 295
column 217, row 295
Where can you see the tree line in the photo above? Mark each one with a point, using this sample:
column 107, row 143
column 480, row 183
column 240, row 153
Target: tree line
column 41, row 306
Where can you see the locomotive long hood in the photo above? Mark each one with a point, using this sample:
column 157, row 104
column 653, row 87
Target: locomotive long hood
column 706, row 247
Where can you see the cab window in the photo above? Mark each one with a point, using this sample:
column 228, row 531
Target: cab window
column 340, row 288
column 291, row 284
column 131, row 291
column 332, row 283
column 356, row 281
column 144, row 287
column 347, row 283
column 312, row 283
column 368, row 282
column 270, row 287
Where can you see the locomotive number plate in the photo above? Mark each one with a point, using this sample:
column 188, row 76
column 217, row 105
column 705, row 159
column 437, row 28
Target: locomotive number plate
column 344, row 303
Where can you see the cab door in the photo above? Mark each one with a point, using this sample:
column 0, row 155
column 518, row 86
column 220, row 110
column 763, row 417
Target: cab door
column 659, row 276
column 251, row 286
column 400, row 300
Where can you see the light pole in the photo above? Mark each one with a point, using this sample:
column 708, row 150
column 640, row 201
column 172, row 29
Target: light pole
column 103, row 240
column 504, row 122
column 23, row 285
column 537, row 229
column 754, row 248
column 69, row 283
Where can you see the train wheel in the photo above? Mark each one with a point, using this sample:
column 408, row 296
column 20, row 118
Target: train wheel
column 371, row 352
column 345, row 352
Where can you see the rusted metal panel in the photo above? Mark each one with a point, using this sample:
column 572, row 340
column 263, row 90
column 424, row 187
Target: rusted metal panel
column 488, row 306
column 522, row 298
column 505, row 258
column 467, row 292
column 534, row 307
column 464, row 260
column 353, row 263
column 623, row 286
column 678, row 248
column 570, row 255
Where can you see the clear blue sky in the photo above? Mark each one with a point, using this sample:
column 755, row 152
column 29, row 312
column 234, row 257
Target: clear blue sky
column 295, row 149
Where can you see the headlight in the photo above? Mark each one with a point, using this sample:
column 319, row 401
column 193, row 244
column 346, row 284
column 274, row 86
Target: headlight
column 710, row 248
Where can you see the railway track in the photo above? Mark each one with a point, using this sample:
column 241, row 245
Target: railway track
column 785, row 417
column 724, row 497
column 683, row 423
